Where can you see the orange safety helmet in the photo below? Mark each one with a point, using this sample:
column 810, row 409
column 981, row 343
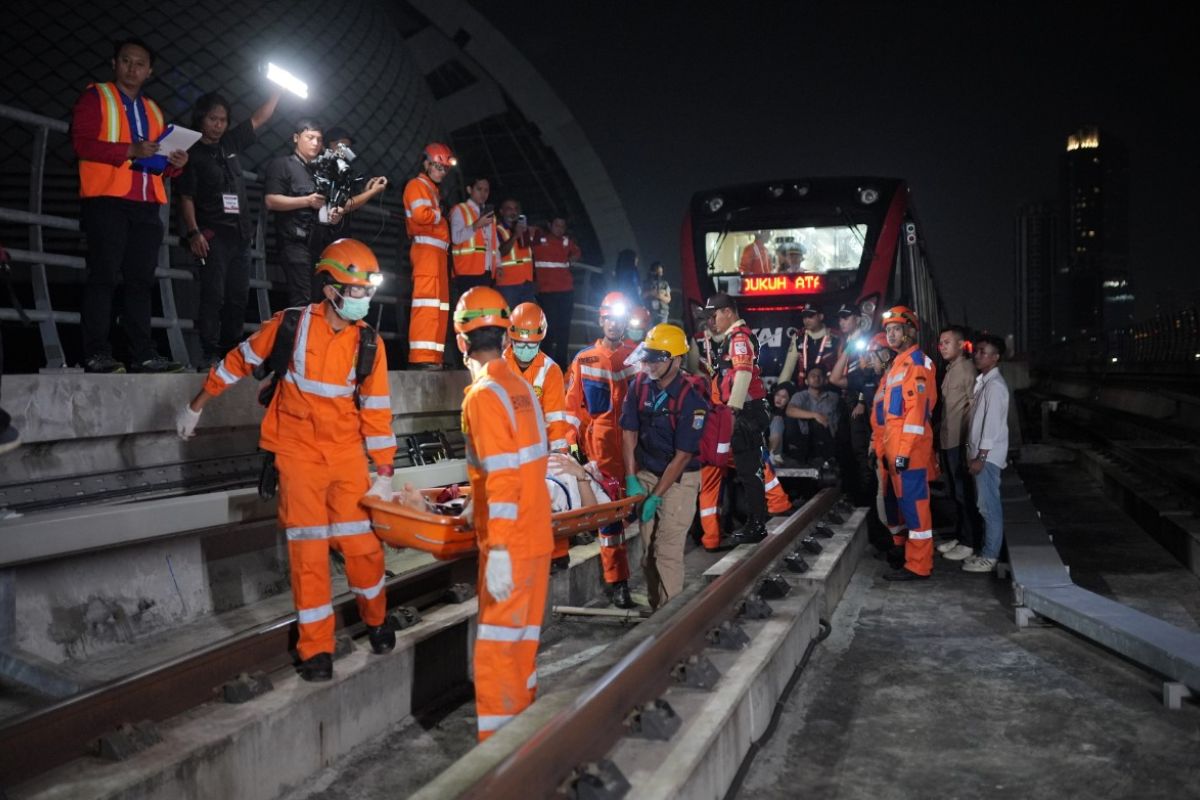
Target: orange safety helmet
column 527, row 323
column 439, row 153
column 639, row 318
column 614, row 305
column 350, row 263
column 901, row 314
column 480, row 307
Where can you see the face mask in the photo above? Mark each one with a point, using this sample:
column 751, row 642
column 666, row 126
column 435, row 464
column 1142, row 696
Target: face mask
column 353, row 308
column 636, row 335
column 525, row 351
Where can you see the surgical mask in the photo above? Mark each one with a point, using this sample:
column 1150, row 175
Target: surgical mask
column 353, row 308
column 525, row 351
column 636, row 335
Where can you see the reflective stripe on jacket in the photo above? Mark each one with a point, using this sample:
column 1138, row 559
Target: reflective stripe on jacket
column 546, row 377
column 907, row 394
column 97, row 179
column 516, row 267
column 471, row 256
column 597, row 382
column 423, row 212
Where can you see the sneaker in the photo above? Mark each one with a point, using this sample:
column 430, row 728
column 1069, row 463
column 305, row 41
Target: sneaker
column 959, row 552
column 947, row 546
column 318, row 668
column 979, row 564
column 103, row 365
column 156, row 365
column 382, row 638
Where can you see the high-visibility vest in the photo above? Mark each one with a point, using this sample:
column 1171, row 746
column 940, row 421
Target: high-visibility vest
column 423, row 214
column 470, row 257
column 97, row 179
column 517, row 266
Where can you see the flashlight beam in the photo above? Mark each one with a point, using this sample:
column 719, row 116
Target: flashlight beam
column 287, row 80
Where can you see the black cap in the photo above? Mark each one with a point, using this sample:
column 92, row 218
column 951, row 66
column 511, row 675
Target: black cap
column 810, row 311
column 847, row 310
column 719, row 300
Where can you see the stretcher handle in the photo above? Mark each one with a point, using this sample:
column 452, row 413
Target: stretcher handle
column 401, row 510
column 590, row 518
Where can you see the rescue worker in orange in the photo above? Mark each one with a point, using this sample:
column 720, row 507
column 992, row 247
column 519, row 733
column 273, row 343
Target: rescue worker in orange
column 553, row 254
column 526, row 332
column 597, row 383
column 729, row 353
column 903, row 443
column 317, row 425
column 430, row 235
column 756, row 257
column 507, row 466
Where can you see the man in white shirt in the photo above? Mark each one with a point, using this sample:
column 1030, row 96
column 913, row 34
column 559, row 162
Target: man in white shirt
column 987, row 448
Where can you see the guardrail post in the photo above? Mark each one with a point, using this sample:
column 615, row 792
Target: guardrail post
column 51, row 346
column 166, row 288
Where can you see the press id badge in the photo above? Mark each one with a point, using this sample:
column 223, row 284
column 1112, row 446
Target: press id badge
column 230, row 203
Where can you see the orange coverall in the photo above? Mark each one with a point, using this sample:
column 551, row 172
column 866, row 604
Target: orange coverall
column 506, row 464
column 546, row 378
column 755, row 260
column 596, row 386
column 902, row 426
column 318, row 435
column 430, row 235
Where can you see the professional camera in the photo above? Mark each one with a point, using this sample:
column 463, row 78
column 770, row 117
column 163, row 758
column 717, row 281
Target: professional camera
column 332, row 173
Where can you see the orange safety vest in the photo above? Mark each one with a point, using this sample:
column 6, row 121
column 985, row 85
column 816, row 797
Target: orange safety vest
column 506, row 463
column 517, row 266
column 313, row 414
column 423, row 213
column 97, row 179
column 546, row 378
column 470, row 257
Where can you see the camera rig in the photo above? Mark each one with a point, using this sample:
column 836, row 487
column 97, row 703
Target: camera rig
column 333, row 176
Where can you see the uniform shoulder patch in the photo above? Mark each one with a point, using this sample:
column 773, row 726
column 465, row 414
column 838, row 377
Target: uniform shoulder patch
column 698, row 419
column 741, row 347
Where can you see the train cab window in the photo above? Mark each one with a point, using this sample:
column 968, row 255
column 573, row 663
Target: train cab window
column 793, row 251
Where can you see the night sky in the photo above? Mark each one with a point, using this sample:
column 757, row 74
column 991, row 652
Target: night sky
column 971, row 103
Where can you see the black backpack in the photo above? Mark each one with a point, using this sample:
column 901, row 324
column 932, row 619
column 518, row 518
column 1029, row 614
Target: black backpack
column 276, row 364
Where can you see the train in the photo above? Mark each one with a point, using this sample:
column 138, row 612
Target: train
column 780, row 246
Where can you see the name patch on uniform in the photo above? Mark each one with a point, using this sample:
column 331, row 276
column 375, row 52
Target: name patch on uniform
column 698, row 420
column 741, row 348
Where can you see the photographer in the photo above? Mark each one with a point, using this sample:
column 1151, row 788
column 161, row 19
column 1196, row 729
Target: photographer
column 334, row 166
column 216, row 222
column 291, row 192
column 515, row 280
column 473, row 241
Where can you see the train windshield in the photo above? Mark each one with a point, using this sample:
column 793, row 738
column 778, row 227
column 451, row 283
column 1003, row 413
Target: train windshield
column 788, row 251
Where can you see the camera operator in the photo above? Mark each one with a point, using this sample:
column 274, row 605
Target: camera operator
column 216, row 221
column 340, row 145
column 291, row 192
column 515, row 279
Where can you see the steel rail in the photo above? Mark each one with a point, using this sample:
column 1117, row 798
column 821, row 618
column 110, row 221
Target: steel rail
column 587, row 729
column 41, row 740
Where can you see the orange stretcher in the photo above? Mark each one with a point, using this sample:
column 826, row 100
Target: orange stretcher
column 450, row 536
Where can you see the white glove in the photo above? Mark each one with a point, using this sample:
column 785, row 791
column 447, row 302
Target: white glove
column 185, row 422
column 499, row 574
column 381, row 487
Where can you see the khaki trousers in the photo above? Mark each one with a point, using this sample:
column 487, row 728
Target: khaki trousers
column 664, row 536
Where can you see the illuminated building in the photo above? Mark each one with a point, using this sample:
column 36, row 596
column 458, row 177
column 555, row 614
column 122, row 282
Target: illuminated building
column 1038, row 236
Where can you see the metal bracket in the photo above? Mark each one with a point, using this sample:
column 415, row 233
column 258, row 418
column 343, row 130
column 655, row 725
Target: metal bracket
column 774, row 587
column 596, row 780
column 459, row 593
column 654, row 720
column 834, row 518
column 404, row 617
column 696, row 672
column 755, row 607
column 823, row 531
column 728, row 636
column 811, row 545
column 246, row 687
column 795, row 562
column 126, row 741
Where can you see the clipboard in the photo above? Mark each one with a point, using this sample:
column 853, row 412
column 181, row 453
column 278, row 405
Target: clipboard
column 173, row 138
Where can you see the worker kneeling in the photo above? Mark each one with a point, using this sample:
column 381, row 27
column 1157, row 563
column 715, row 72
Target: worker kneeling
column 327, row 400
column 507, row 451
column 662, row 422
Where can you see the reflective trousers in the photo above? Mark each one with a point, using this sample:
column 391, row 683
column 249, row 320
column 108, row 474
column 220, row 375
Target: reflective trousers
column 749, row 467
column 319, row 511
column 777, row 499
column 506, row 643
column 430, row 305
column 604, row 447
column 904, row 503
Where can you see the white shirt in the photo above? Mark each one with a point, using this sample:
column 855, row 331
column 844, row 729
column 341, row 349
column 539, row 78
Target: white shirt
column 989, row 418
column 461, row 232
column 564, row 491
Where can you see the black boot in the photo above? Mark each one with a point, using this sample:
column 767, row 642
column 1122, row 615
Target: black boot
column 382, row 638
column 895, row 556
column 725, row 544
column 318, row 668
column 754, row 532
column 621, row 598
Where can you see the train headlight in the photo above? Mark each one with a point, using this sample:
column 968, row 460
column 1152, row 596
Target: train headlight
column 801, row 189
column 714, row 204
column 868, row 195
column 868, row 307
column 775, row 191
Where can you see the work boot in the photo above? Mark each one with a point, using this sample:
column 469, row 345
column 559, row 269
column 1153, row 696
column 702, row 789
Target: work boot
column 725, row 544
column 895, row 556
column 903, row 574
column 752, row 533
column 382, row 638
column 156, row 365
column 318, row 668
column 103, row 364
column 560, row 564
column 620, row 595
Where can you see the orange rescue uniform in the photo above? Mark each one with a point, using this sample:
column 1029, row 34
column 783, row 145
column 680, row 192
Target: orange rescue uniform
column 755, row 260
column 317, row 435
column 430, row 235
column 506, row 463
column 597, row 383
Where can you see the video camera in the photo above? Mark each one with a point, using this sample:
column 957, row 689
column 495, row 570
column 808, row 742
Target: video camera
column 333, row 176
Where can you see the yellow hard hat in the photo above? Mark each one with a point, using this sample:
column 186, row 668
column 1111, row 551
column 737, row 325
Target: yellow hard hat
column 667, row 338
